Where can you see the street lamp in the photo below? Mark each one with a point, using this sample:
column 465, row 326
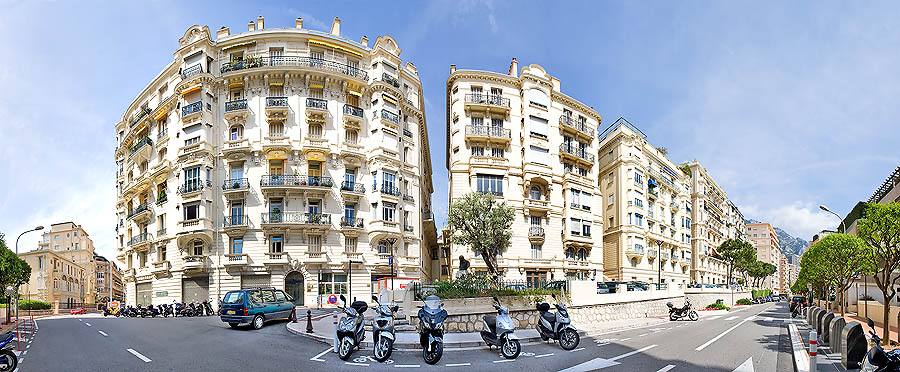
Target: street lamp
column 659, row 261
column 17, row 255
column 391, row 242
column 350, row 278
column 844, row 227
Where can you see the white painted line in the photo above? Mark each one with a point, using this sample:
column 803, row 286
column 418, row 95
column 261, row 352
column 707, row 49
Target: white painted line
column 137, row 354
column 357, row 364
column 746, row 366
column 27, row 346
column 87, row 324
column 80, row 320
column 714, row 317
column 642, row 335
column 578, row 349
column 316, row 358
column 36, row 326
column 767, row 319
column 625, row 339
column 714, row 339
column 666, row 368
column 504, row 361
column 731, row 317
column 103, row 333
column 543, row 355
column 406, row 366
column 459, row 364
column 628, row 354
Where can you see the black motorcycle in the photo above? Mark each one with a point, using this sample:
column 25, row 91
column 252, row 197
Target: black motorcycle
column 685, row 311
column 207, row 308
column 431, row 329
column 877, row 360
column 796, row 310
column 152, row 311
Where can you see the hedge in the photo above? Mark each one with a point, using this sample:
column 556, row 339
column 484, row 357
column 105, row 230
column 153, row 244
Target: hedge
column 33, row 305
column 717, row 306
column 760, row 293
column 744, row 301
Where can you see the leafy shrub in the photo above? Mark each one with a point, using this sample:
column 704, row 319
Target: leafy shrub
column 760, row 292
column 717, row 306
column 744, row 301
column 474, row 285
column 33, row 305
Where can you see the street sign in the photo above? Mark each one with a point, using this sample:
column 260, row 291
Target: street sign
column 332, row 299
column 391, row 260
column 162, row 293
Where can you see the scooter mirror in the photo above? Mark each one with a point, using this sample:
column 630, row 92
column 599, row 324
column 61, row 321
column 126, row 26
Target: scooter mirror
column 870, row 323
column 495, row 299
column 375, row 298
column 343, row 299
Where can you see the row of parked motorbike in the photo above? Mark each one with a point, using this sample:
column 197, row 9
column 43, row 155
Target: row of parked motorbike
column 163, row 310
column 498, row 331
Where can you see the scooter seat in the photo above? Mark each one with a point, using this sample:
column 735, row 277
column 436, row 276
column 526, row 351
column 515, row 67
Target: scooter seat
column 491, row 322
column 549, row 317
column 6, row 336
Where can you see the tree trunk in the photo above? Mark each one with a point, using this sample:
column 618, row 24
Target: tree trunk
column 886, row 312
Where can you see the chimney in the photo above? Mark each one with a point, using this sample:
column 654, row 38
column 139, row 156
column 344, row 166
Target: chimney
column 336, row 27
column 364, row 41
column 251, row 26
column 222, row 32
column 259, row 23
column 452, row 68
column 298, row 23
column 514, row 68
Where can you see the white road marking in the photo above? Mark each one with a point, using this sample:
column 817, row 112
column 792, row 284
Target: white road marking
column 642, row 335
column 80, row 320
column 666, row 368
column 767, row 319
column 316, row 358
column 103, row 333
column 731, row 317
column 459, row 364
column 625, row 339
column 357, row 364
column 36, row 326
column 714, row 339
column 543, row 355
column 504, row 361
column 628, row 354
column 578, row 349
column 714, row 317
column 137, row 354
column 27, row 346
column 746, row 366
column 87, row 324
column 406, row 366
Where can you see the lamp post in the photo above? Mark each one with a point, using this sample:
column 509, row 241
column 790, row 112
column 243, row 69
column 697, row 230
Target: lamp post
column 391, row 242
column 17, row 255
column 350, row 278
column 843, row 227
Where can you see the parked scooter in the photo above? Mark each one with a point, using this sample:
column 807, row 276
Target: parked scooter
column 499, row 331
column 431, row 329
column 383, row 330
column 208, row 308
column 796, row 310
column 8, row 360
column 877, row 360
column 152, row 311
column 557, row 326
column 685, row 311
column 351, row 331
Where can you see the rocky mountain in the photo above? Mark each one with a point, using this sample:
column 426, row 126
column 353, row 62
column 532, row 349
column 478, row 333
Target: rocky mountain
column 789, row 244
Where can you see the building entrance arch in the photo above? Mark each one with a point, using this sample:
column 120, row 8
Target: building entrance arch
column 293, row 285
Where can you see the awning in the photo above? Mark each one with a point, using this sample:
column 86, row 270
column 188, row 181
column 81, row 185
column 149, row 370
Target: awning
column 191, row 89
column 389, row 99
column 235, row 85
column 160, row 114
column 320, row 86
column 238, row 45
column 276, row 83
column 335, row 46
column 355, row 93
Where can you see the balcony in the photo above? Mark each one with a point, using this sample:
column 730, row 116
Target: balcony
column 537, row 205
column 316, row 106
column 579, row 154
column 387, row 78
column 140, row 116
column 194, row 262
column 652, row 253
column 238, row 259
column 236, row 109
column 141, row 150
column 390, row 119
column 296, row 218
column 271, row 182
column 489, row 133
column 236, row 225
column 665, row 179
column 140, row 242
column 686, row 261
column 191, row 71
column 409, row 198
column 236, row 148
column 316, row 257
column 191, row 111
column 408, row 228
column 193, row 187
column 355, row 188
column 487, row 102
column 141, row 212
column 277, row 105
column 235, row 186
column 352, row 114
column 161, row 268
column 634, row 251
column 576, row 126
column 351, row 223
column 664, row 256
column 390, row 190
column 294, row 61
column 276, row 258
column 408, row 133
column 536, row 234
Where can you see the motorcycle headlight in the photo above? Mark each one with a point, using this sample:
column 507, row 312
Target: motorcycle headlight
column 346, row 325
column 867, row 367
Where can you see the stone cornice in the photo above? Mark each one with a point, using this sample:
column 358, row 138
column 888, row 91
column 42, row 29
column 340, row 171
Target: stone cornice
column 572, row 102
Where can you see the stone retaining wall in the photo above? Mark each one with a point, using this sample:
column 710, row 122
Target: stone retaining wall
column 623, row 310
column 700, row 300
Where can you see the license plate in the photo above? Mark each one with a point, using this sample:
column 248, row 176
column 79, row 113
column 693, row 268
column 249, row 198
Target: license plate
column 230, row 312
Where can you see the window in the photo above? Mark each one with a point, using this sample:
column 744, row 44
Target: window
column 638, row 219
column 610, row 199
column 537, row 97
column 497, row 123
column 315, row 244
column 390, row 141
column 315, row 130
column 539, row 155
column 477, row 151
column 191, row 141
column 332, row 283
column 638, row 203
column 477, row 122
column 142, row 259
column 536, row 279
column 350, row 136
column 387, row 211
column 638, row 179
column 383, row 247
column 192, row 178
column 160, row 254
column 40, row 262
column 191, row 211
column 237, row 245
column 535, row 251
column 497, row 152
column 538, row 126
column 490, row 184
column 350, row 244
column 389, row 180
column 236, row 132
column 276, row 129
column 535, row 192
column 580, row 199
column 276, row 244
column 198, row 248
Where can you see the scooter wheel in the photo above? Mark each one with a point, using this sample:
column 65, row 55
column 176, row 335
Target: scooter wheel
column 435, row 355
column 569, row 339
column 510, row 349
column 383, row 349
column 8, row 361
column 693, row 316
column 345, row 349
column 672, row 317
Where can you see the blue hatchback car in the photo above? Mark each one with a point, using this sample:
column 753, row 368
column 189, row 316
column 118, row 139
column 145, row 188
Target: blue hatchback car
column 256, row 306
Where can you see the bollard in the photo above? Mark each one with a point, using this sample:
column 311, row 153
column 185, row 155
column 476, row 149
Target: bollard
column 309, row 328
column 334, row 314
column 294, row 315
column 813, row 341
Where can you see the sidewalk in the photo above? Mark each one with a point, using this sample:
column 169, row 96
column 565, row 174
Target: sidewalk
column 826, row 360
column 323, row 331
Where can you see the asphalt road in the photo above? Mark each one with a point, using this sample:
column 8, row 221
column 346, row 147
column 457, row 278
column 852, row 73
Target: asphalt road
column 755, row 337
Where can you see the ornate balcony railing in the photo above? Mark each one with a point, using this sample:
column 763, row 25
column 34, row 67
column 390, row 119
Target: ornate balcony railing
column 236, row 184
column 390, row 79
column 239, row 104
column 489, row 131
column 390, row 190
column 276, row 101
column 191, row 71
column 489, row 99
column 236, row 220
column 577, row 125
column 407, row 132
column 191, row 108
column 297, row 218
column 140, row 238
column 269, row 180
column 491, row 192
column 317, row 103
column 583, row 153
column 407, row 228
column 162, row 133
column 353, row 110
column 390, row 116
column 161, row 232
column 351, row 222
column 353, row 186
column 137, row 119
column 535, row 231
column 316, row 63
column 140, row 143
column 162, row 199
column 138, row 209
column 190, row 186
column 409, row 198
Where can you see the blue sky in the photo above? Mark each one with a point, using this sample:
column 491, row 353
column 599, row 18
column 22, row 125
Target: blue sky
column 788, row 105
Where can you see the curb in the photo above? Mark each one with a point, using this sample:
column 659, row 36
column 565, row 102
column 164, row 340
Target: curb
column 801, row 358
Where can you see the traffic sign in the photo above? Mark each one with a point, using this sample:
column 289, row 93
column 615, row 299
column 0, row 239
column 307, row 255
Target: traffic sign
column 332, row 299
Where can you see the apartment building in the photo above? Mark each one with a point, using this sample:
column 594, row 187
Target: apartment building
column 517, row 137
column 735, row 225
column 55, row 278
column 764, row 239
column 888, row 191
column 109, row 284
column 282, row 157
column 646, row 207
column 71, row 241
column 714, row 222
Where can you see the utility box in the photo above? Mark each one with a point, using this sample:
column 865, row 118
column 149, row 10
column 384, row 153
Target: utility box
column 853, row 345
column 823, row 327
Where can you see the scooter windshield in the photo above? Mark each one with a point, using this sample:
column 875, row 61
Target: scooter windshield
column 432, row 304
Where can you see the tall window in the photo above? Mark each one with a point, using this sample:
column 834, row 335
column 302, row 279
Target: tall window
column 276, row 244
column 496, row 123
column 350, row 176
column 237, row 212
column 490, row 184
column 477, row 122
column 350, row 244
column 477, row 151
column 276, row 129
column 160, row 254
column 535, row 192
column 191, row 211
column 198, row 248
column 315, row 243
column 315, row 130
column 497, row 152
column 535, row 251
column 539, row 155
column 350, row 136
column 350, row 212
column 236, row 132
column 388, row 211
column 192, row 178
column 390, row 180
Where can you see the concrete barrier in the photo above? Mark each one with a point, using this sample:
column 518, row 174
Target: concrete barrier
column 810, row 315
column 819, row 316
column 834, row 330
column 824, row 331
column 853, row 345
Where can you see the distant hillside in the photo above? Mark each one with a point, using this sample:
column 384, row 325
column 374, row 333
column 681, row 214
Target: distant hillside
column 789, row 244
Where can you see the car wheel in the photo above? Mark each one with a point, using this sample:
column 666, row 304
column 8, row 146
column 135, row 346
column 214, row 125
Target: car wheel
column 258, row 322
column 234, row 325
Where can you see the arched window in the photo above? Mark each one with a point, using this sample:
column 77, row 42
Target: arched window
column 276, row 129
column 538, row 97
column 161, row 155
column 350, row 136
column 535, row 192
column 236, row 132
column 315, row 130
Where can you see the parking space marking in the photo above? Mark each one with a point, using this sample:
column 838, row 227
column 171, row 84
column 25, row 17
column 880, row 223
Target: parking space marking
column 642, row 335
column 316, row 358
column 87, row 324
column 578, row 349
column 459, row 364
column 504, row 361
column 357, row 364
column 406, row 366
column 731, row 317
column 625, row 339
column 103, row 333
column 714, row 317
column 139, row 355
column 666, row 368
column 543, row 355
column 628, row 354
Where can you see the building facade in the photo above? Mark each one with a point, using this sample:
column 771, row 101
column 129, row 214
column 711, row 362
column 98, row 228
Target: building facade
column 109, row 284
column 71, row 241
column 646, row 207
column 55, row 278
column 762, row 236
column 517, row 137
column 282, row 157
column 711, row 217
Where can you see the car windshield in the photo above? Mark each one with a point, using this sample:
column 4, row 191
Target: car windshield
column 234, row 298
column 432, row 303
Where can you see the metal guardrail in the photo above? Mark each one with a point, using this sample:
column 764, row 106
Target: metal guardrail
column 192, row 71
column 140, row 208
column 193, row 186
column 270, row 180
column 390, row 116
column 236, row 184
column 317, row 103
column 390, row 190
column 353, row 110
column 276, row 101
column 577, row 152
column 489, row 131
column 297, row 218
column 240, row 104
column 140, row 238
column 236, row 220
column 191, row 108
column 489, row 99
column 352, row 222
column 294, row 61
column 137, row 119
column 353, row 186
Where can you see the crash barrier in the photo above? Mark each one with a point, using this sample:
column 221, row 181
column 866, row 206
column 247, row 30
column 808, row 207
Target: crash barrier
column 834, row 332
column 853, row 345
column 819, row 318
column 813, row 343
column 809, row 315
column 823, row 328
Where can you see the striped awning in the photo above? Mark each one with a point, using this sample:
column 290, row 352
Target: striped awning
column 389, row 98
column 355, row 93
column 335, row 46
column 319, row 86
column 235, row 85
column 191, row 89
column 160, row 114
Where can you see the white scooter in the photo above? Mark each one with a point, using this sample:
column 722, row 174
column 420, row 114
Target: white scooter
column 498, row 331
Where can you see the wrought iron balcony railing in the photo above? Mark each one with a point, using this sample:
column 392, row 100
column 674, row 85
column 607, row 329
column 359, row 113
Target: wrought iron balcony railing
column 276, row 101
column 316, row 63
column 407, row 132
column 351, row 222
column 489, row 131
column 583, row 153
column 193, row 186
column 138, row 209
column 317, row 103
column 390, row 79
column 491, row 192
column 140, row 143
column 191, row 71
column 239, row 104
column 236, row 220
column 390, row 116
column 576, row 124
column 137, row 119
column 353, row 110
column 489, row 99
column 191, row 108
column 536, row 231
column 390, row 190
column 409, row 198
column 353, row 186
column 270, row 180
column 236, row 184
column 297, row 218
column 140, row 238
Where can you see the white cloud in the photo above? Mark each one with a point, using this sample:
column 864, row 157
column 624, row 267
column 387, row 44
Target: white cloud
column 493, row 22
column 801, row 220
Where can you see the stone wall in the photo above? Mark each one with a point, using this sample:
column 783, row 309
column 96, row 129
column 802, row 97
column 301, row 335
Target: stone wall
column 624, row 310
column 700, row 299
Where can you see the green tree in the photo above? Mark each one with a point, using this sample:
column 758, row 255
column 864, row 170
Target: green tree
column 480, row 222
column 880, row 229
column 841, row 258
column 736, row 252
column 13, row 270
column 801, row 284
column 759, row 270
